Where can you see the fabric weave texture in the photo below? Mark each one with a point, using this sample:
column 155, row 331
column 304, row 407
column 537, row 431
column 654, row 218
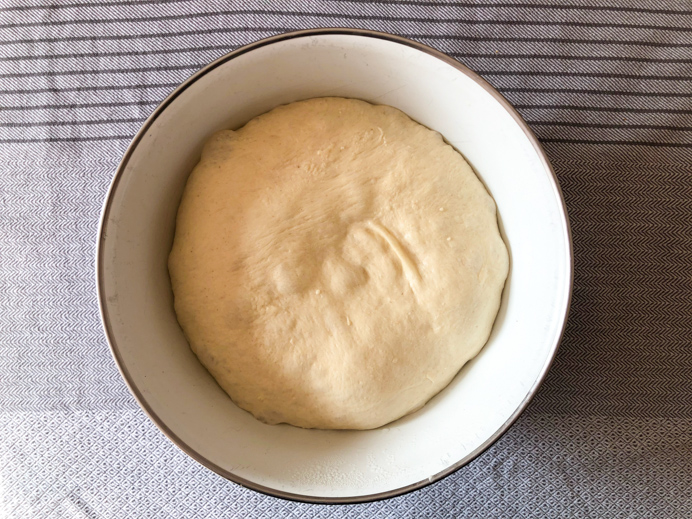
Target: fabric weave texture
column 607, row 87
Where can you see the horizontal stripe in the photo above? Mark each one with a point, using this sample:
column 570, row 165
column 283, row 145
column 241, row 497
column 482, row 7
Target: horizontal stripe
column 591, row 92
column 607, row 75
column 474, row 5
column 275, row 30
column 345, row 16
column 78, row 5
column 522, row 5
column 561, row 57
column 76, row 55
column 73, row 106
column 71, row 123
column 619, row 143
column 228, row 48
column 94, row 122
column 612, row 126
column 123, row 37
column 547, row 140
column 172, row 85
column 603, row 109
column 69, row 139
column 632, row 43
column 197, row 66
column 55, row 90
column 577, row 165
column 93, row 72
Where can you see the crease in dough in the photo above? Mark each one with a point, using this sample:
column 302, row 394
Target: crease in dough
column 404, row 256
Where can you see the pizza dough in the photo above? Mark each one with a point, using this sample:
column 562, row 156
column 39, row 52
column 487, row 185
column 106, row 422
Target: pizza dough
column 335, row 264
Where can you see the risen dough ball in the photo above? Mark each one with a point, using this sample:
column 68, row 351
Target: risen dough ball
column 335, row 264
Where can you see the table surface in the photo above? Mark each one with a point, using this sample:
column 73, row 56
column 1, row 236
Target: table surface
column 608, row 90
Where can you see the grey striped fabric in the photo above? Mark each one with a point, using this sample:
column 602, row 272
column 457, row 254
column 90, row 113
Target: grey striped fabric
column 606, row 85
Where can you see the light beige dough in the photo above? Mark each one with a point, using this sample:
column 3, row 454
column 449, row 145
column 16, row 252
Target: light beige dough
column 335, row 264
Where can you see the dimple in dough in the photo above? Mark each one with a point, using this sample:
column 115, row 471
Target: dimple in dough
column 335, row 264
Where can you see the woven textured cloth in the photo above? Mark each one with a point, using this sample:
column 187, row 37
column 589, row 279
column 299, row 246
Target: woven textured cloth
column 605, row 84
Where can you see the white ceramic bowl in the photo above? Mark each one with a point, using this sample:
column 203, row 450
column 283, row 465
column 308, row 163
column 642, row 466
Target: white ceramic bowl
column 333, row 466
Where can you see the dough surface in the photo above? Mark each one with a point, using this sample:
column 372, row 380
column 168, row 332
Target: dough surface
column 335, row 264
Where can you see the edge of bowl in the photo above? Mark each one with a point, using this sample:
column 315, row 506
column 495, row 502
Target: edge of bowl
column 103, row 311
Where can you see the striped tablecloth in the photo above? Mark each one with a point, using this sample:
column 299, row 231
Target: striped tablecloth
column 606, row 85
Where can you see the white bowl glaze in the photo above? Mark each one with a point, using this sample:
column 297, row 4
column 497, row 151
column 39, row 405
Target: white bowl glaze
column 333, row 466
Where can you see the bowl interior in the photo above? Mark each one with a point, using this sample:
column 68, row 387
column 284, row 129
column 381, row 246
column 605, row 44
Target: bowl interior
column 178, row 392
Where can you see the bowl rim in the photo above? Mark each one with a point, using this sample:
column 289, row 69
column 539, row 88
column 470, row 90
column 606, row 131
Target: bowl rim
column 102, row 230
